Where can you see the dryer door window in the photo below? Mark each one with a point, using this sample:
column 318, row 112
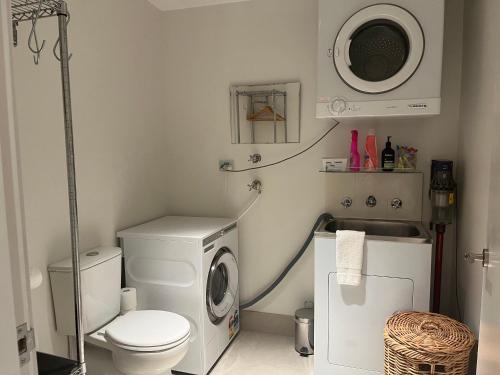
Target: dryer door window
column 222, row 285
column 379, row 49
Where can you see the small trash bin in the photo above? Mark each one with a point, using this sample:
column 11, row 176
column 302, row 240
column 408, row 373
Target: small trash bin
column 304, row 331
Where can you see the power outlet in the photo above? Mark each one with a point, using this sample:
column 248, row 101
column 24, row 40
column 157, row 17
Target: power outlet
column 226, row 165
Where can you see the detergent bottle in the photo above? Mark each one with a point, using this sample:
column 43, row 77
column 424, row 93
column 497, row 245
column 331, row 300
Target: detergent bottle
column 354, row 160
column 371, row 153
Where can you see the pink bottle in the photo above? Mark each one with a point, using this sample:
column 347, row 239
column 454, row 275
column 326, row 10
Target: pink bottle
column 371, row 153
column 354, row 161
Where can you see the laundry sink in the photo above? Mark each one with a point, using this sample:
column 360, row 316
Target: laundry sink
column 395, row 276
column 391, row 230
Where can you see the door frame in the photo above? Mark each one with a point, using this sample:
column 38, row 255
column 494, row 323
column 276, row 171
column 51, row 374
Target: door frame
column 15, row 293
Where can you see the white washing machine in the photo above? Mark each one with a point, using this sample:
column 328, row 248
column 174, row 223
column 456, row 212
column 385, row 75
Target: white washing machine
column 188, row 265
column 379, row 58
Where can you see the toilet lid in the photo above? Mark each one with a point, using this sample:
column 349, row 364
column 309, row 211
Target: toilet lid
column 148, row 328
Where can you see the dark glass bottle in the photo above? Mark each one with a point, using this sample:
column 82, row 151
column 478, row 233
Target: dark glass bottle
column 388, row 157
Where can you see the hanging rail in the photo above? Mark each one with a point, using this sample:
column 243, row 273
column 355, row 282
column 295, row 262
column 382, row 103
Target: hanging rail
column 33, row 10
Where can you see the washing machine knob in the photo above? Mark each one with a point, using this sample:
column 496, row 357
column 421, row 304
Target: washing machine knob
column 337, row 106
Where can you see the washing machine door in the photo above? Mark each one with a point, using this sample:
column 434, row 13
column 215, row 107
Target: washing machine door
column 379, row 48
column 222, row 285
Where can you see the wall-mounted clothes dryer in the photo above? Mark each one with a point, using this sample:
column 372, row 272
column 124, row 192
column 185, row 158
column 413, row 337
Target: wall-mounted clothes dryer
column 379, row 58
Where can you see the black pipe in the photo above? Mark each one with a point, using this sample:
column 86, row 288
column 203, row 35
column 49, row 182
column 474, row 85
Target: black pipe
column 279, row 279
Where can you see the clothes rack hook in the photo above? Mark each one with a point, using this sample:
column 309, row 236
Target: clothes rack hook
column 54, row 50
column 38, row 48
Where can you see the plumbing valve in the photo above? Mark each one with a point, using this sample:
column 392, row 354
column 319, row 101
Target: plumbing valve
column 255, row 185
column 396, row 203
column 371, row 201
column 346, row 202
column 255, row 158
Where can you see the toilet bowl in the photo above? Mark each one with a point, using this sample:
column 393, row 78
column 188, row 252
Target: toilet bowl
column 144, row 342
column 148, row 342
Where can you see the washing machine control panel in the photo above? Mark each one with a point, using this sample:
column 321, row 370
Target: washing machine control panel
column 217, row 235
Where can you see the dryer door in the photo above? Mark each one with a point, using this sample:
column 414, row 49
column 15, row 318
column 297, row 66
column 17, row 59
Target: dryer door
column 222, row 285
column 378, row 49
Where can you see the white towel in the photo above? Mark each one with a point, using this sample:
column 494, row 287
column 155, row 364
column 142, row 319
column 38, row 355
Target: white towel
column 350, row 246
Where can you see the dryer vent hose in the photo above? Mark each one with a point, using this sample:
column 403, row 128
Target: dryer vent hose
column 321, row 218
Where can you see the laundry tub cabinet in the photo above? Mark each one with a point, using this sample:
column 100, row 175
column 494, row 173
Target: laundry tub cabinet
column 396, row 276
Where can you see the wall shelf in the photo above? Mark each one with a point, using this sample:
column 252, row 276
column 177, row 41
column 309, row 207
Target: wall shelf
column 23, row 10
column 377, row 171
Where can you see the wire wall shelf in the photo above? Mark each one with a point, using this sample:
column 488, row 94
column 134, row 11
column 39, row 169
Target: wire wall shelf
column 267, row 113
column 26, row 10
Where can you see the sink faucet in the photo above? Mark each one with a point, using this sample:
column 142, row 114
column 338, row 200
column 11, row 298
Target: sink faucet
column 346, row 202
column 371, row 201
column 396, row 203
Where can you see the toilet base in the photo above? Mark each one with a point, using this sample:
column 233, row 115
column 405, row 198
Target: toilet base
column 148, row 363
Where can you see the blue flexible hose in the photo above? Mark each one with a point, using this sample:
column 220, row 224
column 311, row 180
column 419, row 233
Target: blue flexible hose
column 321, row 218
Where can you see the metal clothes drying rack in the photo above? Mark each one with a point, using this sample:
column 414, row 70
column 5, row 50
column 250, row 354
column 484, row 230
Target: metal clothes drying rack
column 33, row 10
column 267, row 97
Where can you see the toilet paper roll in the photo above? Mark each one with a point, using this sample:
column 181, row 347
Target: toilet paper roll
column 128, row 301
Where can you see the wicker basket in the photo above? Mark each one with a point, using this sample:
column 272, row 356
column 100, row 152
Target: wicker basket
column 426, row 344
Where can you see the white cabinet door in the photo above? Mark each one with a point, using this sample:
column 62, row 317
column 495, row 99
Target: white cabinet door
column 357, row 317
column 489, row 335
column 15, row 297
column 8, row 344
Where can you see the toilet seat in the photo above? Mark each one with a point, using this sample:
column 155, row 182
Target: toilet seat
column 148, row 331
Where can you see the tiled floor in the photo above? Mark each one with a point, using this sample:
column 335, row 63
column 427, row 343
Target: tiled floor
column 255, row 353
column 252, row 353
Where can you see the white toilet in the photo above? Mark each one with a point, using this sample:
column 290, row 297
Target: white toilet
column 147, row 342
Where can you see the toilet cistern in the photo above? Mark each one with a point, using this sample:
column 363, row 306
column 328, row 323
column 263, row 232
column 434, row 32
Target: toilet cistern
column 147, row 342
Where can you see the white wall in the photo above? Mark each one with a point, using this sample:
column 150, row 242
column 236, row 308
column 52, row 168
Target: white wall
column 117, row 88
column 151, row 108
column 481, row 29
column 207, row 50
column 15, row 307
